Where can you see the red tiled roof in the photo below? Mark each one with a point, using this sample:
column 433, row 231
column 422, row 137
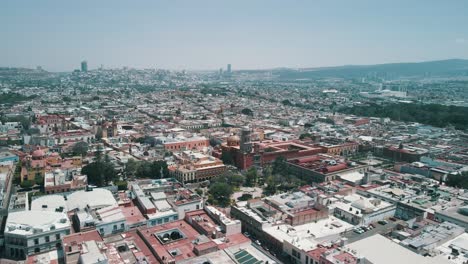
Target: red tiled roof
column 78, row 238
column 132, row 214
column 234, row 240
column 316, row 253
column 345, row 257
column 184, row 245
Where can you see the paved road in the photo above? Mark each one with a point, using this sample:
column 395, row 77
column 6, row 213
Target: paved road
column 379, row 229
column 266, row 253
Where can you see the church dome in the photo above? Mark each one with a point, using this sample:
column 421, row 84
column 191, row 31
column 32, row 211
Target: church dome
column 233, row 140
column 38, row 154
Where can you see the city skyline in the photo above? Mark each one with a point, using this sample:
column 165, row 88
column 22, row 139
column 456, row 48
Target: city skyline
column 234, row 132
column 208, row 35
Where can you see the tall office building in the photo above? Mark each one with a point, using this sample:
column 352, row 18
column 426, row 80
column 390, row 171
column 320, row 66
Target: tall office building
column 84, row 66
column 229, row 69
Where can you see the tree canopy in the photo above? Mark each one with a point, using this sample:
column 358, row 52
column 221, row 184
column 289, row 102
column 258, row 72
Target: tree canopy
column 431, row 114
column 233, row 179
column 130, row 168
column 24, row 120
column 101, row 171
column 152, row 170
column 251, row 177
column 27, row 184
column 80, row 148
column 458, row 180
column 227, row 157
column 247, row 111
column 279, row 166
column 12, row 98
column 305, row 135
column 220, row 193
column 147, row 140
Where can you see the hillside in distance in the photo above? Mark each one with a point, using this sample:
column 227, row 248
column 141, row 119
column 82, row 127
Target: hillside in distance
column 441, row 68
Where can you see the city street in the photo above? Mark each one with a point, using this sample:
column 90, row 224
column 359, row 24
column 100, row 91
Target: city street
column 379, row 229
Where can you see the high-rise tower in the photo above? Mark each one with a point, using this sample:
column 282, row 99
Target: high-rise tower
column 84, row 66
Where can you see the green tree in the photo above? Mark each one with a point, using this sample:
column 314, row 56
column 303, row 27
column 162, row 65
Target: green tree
column 39, row 180
column 214, row 142
column 143, row 170
column 279, row 166
column 271, row 183
column 27, row 184
column 152, row 170
column 227, row 158
column 458, row 180
column 247, row 111
column 130, row 168
column 121, row 185
column 109, row 172
column 236, row 180
column 101, row 171
column 159, row 169
column 267, row 171
column 99, row 133
column 24, row 120
column 251, row 177
column 33, row 131
column 221, row 193
column 245, row 197
column 80, row 148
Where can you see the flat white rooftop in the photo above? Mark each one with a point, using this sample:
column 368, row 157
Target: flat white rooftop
column 381, row 250
column 31, row 222
column 324, row 228
column 460, row 243
column 160, row 214
column 162, row 205
column 351, row 176
column 97, row 198
column 49, row 203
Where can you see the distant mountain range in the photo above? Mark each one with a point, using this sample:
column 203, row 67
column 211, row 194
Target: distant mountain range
column 442, row 68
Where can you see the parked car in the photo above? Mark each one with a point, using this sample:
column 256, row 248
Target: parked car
column 383, row 222
column 358, row 230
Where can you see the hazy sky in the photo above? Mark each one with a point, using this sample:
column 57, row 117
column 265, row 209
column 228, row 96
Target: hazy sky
column 198, row 34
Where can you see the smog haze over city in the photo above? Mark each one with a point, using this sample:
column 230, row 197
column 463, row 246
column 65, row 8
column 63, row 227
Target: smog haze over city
column 240, row 132
column 202, row 35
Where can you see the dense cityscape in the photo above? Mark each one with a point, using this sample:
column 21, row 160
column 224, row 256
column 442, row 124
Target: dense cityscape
column 233, row 132
column 130, row 165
